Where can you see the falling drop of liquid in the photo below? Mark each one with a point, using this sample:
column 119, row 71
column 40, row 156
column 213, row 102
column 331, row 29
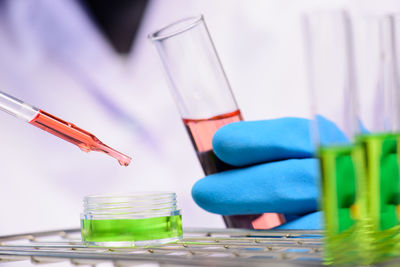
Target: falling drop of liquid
column 123, row 163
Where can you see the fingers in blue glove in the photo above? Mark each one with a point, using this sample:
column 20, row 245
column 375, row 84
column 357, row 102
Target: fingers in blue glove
column 251, row 142
column 287, row 186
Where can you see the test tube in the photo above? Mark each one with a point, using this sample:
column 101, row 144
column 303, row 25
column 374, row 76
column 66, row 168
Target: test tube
column 378, row 115
column 332, row 83
column 377, row 102
column 204, row 98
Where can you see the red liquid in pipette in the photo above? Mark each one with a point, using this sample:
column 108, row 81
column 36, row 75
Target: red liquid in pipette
column 84, row 140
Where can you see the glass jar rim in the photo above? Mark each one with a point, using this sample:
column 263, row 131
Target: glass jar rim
column 133, row 196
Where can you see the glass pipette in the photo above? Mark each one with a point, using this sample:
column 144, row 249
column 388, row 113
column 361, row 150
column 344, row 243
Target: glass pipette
column 84, row 140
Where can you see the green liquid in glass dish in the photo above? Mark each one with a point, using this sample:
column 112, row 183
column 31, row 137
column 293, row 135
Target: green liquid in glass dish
column 132, row 230
column 145, row 219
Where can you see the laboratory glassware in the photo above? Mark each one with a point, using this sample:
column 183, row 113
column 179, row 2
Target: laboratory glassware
column 137, row 219
column 378, row 133
column 332, row 83
column 58, row 127
column 204, row 98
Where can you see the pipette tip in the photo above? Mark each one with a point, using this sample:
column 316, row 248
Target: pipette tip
column 84, row 140
column 123, row 159
column 124, row 163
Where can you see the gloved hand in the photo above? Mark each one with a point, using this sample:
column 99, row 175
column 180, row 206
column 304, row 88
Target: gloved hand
column 278, row 174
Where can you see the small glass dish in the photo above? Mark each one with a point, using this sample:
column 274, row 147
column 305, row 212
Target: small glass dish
column 139, row 219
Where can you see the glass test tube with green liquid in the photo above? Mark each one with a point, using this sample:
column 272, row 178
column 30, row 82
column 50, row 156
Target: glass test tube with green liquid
column 332, row 86
column 360, row 182
column 341, row 171
column 378, row 112
column 361, row 190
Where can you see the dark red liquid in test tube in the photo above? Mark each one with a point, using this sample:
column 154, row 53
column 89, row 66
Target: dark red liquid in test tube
column 84, row 140
column 201, row 132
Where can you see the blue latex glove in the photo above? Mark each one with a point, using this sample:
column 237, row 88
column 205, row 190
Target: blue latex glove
column 278, row 174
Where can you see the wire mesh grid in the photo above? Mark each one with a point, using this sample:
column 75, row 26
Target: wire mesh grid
column 199, row 247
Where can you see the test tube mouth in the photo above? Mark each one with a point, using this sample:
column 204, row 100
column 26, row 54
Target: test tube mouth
column 176, row 28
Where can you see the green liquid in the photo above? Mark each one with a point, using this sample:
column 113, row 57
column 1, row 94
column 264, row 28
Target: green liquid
column 382, row 176
column 339, row 186
column 361, row 197
column 131, row 230
column 383, row 192
column 341, row 169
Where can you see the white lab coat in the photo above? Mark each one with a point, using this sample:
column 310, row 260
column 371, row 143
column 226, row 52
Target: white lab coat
column 52, row 56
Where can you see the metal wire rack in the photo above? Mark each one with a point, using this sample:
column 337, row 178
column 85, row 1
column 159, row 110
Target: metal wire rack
column 199, row 247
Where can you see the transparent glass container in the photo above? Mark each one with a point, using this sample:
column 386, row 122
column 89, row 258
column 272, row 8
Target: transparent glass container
column 139, row 219
column 204, row 97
